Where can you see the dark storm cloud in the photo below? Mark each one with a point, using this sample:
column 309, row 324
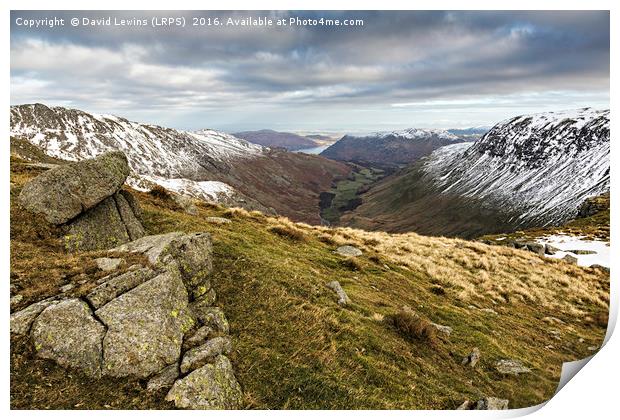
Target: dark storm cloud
column 395, row 59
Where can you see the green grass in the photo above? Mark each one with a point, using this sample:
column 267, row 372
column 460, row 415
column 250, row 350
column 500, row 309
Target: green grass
column 347, row 190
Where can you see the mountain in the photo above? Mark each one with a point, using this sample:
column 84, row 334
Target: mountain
column 320, row 137
column 271, row 138
column 471, row 131
column 205, row 164
column 390, row 149
column 531, row 170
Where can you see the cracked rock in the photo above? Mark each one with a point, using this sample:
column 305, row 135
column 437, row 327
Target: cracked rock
column 198, row 356
column 212, row 386
column 145, row 327
column 69, row 334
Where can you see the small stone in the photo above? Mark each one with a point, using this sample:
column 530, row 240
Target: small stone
column 217, row 220
column 343, row 299
column 16, row 300
column 198, row 356
column 199, row 337
column 67, row 287
column 550, row 249
column 467, row 405
column 511, row 367
column 552, row 320
column 108, row 264
column 569, row 258
column 164, row 379
column 472, row 359
column 348, row 251
column 536, row 248
column 592, row 348
column 489, row 311
column 213, row 317
column 212, row 386
column 443, row 329
column 581, row 252
column 492, row 403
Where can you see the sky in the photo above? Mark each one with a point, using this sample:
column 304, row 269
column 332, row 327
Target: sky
column 397, row 70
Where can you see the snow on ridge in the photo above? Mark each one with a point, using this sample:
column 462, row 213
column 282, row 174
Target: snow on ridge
column 541, row 167
column 413, row 134
column 206, row 190
column 172, row 158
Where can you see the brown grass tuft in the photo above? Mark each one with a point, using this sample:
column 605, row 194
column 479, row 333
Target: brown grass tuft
column 412, row 327
column 161, row 193
column 352, row 264
column 288, row 232
column 438, row 290
column 326, row 239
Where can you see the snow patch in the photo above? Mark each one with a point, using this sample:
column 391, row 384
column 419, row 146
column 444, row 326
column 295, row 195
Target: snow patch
column 568, row 243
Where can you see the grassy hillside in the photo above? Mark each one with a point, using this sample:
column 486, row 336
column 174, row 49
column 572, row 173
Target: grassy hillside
column 404, row 202
column 594, row 225
column 346, row 191
column 295, row 347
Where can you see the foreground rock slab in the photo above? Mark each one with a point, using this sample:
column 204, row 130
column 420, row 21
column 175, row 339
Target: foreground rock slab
column 213, row 386
column 145, row 327
column 21, row 321
column 69, row 334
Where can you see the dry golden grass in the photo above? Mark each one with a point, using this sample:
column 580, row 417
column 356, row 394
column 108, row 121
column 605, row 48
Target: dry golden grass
column 413, row 327
column 473, row 271
column 288, row 232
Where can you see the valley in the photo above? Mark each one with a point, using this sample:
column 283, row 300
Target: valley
column 337, row 284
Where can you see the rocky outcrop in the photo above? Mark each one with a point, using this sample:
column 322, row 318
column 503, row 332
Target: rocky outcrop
column 156, row 323
column 108, row 224
column 86, row 200
column 65, row 191
column 145, row 327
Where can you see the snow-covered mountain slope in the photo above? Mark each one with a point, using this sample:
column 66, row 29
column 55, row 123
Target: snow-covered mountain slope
column 390, row 148
column 532, row 170
column 415, row 134
column 205, row 164
column 152, row 151
column 542, row 166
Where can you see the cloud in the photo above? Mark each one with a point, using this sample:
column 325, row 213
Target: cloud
column 225, row 75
